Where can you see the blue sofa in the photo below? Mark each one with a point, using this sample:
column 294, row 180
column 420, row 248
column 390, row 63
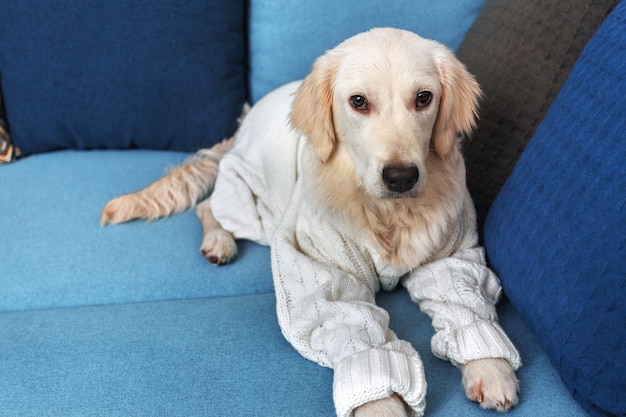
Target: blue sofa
column 131, row 320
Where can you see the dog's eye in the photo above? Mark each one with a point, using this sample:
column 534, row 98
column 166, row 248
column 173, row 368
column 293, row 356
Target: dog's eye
column 359, row 102
column 423, row 99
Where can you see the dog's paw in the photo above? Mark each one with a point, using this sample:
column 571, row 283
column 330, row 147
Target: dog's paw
column 491, row 383
column 219, row 247
column 386, row 407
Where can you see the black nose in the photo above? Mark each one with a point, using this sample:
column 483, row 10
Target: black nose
column 400, row 179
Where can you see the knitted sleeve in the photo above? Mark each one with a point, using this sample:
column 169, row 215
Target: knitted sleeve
column 460, row 293
column 325, row 303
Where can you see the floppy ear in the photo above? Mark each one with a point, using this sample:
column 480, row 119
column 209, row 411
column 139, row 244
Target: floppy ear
column 458, row 108
column 312, row 110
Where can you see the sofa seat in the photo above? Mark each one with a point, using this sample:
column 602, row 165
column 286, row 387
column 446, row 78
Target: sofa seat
column 65, row 258
column 132, row 320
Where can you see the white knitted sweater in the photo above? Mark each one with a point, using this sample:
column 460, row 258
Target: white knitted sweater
column 325, row 281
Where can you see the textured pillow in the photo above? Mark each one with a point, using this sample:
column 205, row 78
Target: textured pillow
column 521, row 53
column 286, row 35
column 556, row 234
column 160, row 74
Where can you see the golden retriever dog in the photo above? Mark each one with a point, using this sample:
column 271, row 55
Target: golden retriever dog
column 356, row 180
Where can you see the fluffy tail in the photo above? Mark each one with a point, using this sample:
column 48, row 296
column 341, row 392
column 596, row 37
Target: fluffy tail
column 179, row 190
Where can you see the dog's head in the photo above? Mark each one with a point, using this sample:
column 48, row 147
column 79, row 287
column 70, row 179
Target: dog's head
column 388, row 98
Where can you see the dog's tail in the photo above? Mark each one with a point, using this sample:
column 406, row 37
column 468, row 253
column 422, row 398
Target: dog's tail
column 179, row 190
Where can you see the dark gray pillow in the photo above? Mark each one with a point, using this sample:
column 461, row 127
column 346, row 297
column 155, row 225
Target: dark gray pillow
column 521, row 52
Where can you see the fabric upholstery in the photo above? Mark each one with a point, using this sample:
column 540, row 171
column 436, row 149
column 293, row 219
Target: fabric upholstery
column 286, row 36
column 131, row 320
column 56, row 254
column 215, row 357
column 152, row 74
column 521, row 52
column 556, row 234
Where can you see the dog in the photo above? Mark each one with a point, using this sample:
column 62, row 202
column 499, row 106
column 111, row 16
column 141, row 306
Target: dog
column 355, row 178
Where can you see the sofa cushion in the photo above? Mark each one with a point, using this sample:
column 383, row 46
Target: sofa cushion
column 216, row 357
column 556, row 234
column 286, row 36
column 55, row 254
column 521, row 53
column 164, row 74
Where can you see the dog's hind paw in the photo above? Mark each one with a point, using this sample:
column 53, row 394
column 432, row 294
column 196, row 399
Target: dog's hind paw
column 219, row 247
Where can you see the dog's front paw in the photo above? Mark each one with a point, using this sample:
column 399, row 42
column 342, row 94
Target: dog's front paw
column 219, row 247
column 386, row 407
column 492, row 383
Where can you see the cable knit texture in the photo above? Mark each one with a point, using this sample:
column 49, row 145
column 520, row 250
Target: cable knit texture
column 325, row 280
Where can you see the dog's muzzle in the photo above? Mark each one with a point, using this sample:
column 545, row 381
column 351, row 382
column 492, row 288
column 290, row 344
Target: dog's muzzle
column 400, row 179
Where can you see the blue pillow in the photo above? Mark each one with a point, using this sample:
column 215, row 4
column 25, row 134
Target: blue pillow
column 157, row 74
column 556, row 234
column 286, row 36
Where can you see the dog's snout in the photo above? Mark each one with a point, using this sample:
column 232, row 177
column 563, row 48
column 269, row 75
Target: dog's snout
column 400, row 178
